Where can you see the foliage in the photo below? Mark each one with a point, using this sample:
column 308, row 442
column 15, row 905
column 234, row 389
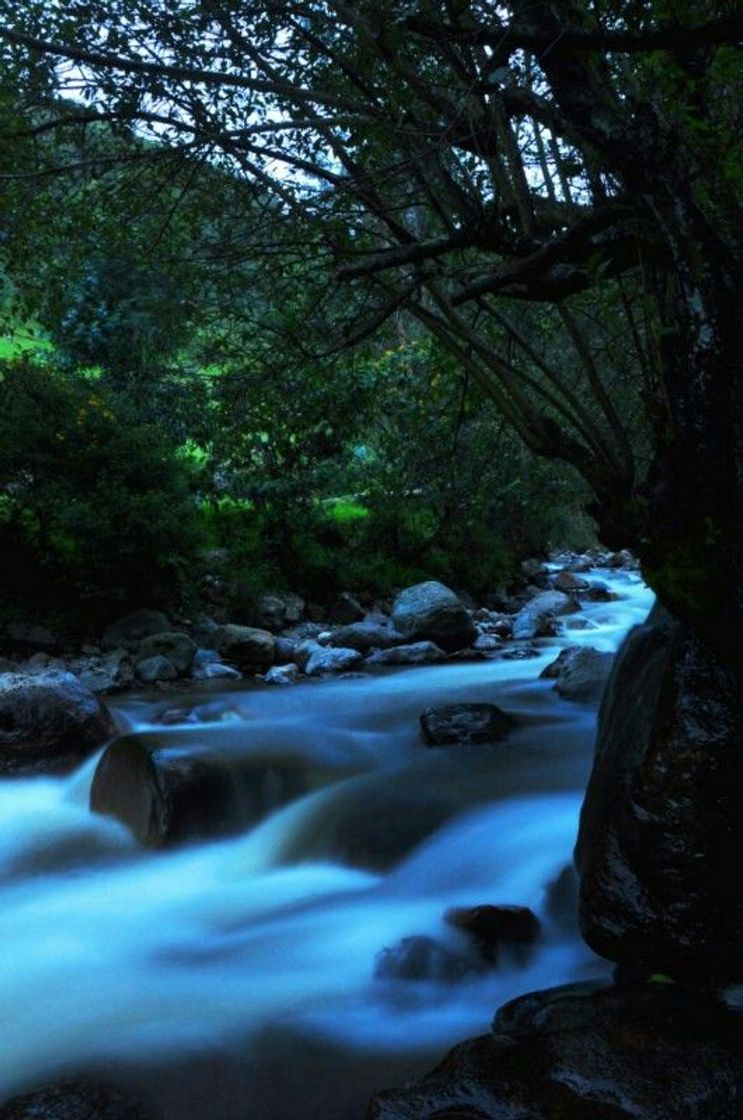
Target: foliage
column 96, row 508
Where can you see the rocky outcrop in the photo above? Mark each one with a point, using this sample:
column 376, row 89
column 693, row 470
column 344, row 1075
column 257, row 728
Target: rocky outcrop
column 432, row 612
column 49, row 721
column 580, row 672
column 588, row 1052
column 171, row 795
column 454, row 724
column 661, row 827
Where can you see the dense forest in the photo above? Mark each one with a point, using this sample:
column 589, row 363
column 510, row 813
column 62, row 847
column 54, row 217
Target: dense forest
column 328, row 301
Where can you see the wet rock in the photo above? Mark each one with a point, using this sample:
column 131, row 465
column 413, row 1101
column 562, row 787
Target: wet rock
column 580, row 672
column 207, row 667
column 432, row 612
column 491, row 926
column 154, row 669
column 416, row 653
column 521, row 653
column 29, row 636
column 422, row 958
column 171, row 795
column 283, row 674
column 588, row 1052
column 536, row 618
column 246, row 648
column 366, row 636
column 74, row 1100
column 179, row 649
column 304, row 650
column 598, row 593
column 465, row 723
column 283, row 650
column 569, row 583
column 561, row 900
column 49, row 721
column 275, row 610
column 326, row 659
column 347, row 609
column 661, row 820
column 128, row 632
column 487, row 642
column 107, row 672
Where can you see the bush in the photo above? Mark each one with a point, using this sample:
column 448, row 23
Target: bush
column 96, row 508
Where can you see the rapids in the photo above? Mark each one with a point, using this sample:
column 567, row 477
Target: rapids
column 234, row 979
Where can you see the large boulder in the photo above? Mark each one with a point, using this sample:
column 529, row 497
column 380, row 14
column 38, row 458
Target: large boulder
column 432, row 612
column 128, row 632
column 580, row 672
column 170, row 795
column 588, row 1052
column 661, row 826
column 459, row 724
column 536, row 618
column 179, row 649
column 49, row 721
column 246, row 648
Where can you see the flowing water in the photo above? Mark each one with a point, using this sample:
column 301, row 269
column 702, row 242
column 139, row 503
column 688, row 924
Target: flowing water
column 234, row 980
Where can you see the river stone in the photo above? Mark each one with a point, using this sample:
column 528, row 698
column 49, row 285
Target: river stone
column 283, row 674
column 154, row 669
column 492, row 926
column 245, row 647
column 588, row 1052
column 275, row 610
column 107, row 672
column 580, row 672
column 535, row 619
column 465, row 723
column 432, row 612
column 171, row 795
column 128, row 632
column 49, row 721
column 421, row 958
column 326, row 659
column 569, row 583
column 74, row 1100
column 661, row 821
column 417, row 653
column 366, row 636
column 179, row 649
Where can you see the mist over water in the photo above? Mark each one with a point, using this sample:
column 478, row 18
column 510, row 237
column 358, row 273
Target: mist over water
column 248, row 963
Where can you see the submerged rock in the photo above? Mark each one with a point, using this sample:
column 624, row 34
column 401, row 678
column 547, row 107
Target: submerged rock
column 432, row 612
column 421, row 958
column 169, row 795
column 49, row 721
column 490, row 926
column 661, row 822
column 588, row 1052
column 465, row 723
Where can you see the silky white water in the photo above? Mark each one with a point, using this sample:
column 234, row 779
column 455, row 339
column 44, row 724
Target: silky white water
column 259, row 951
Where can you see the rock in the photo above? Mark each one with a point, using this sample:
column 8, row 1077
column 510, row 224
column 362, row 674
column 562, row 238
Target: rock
column 532, row 567
column 661, row 819
column 42, row 663
column 215, row 670
column 417, row 653
column 580, row 672
column 588, row 1052
column 283, row 650
column 283, row 674
column 109, row 672
column 179, row 649
column 489, row 926
column 276, row 610
column 347, row 609
column 366, row 636
column 430, row 611
column 422, row 958
column 26, row 635
column 522, row 653
column 330, row 660
column 49, row 721
column 598, row 593
column 168, row 796
column 157, row 668
column 465, row 723
column 304, row 650
column 561, row 900
column 128, row 632
column 569, row 582
column 245, row 647
column 74, row 1100
column 486, row 642
column 8, row 666
column 535, row 619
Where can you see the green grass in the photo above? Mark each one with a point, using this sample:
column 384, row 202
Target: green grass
column 20, row 342
column 343, row 510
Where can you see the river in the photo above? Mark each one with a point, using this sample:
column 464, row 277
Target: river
column 234, row 980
